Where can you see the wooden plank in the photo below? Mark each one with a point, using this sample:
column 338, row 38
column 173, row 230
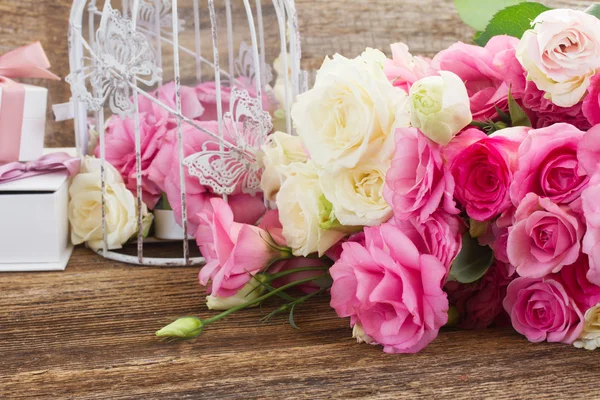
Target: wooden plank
column 345, row 26
column 87, row 333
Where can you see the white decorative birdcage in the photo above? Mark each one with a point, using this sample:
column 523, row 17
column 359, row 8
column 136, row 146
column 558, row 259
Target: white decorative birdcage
column 122, row 52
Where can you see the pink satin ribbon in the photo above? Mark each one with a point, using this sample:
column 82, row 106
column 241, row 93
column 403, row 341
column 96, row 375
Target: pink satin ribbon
column 25, row 62
column 47, row 164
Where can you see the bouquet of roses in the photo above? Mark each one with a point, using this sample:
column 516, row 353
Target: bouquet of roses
column 420, row 193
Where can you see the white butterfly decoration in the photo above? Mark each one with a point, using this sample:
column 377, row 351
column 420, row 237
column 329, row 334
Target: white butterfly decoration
column 120, row 57
column 235, row 165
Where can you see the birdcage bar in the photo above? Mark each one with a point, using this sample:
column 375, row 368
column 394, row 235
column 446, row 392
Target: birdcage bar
column 230, row 41
column 198, row 41
column 184, row 222
column 157, row 23
column 150, row 22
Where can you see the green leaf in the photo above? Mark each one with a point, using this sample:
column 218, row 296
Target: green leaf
column 594, row 10
column 518, row 116
column 504, row 117
column 472, row 262
column 511, row 21
column 477, row 13
column 292, row 322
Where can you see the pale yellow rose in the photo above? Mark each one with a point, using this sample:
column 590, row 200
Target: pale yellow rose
column 85, row 208
column 351, row 110
column 356, row 194
column 590, row 337
column 301, row 208
column 280, row 151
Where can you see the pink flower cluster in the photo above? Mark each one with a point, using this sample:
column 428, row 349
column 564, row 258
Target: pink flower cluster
column 159, row 151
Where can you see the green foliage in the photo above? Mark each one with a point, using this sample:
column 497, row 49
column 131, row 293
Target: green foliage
column 477, row 13
column 518, row 117
column 511, row 21
column 472, row 262
column 594, row 10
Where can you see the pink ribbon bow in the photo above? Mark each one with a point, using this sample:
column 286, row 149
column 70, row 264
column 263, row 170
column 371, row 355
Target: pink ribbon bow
column 47, row 164
column 25, row 62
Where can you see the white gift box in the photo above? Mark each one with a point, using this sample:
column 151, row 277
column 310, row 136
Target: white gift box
column 34, row 123
column 34, row 225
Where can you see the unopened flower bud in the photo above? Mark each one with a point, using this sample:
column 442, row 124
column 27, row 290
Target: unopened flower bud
column 183, row 328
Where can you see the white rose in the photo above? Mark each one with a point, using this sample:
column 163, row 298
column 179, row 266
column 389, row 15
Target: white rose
column 440, row 106
column 561, row 54
column 357, row 194
column 280, row 151
column 590, row 336
column 301, row 209
column 359, row 334
column 85, row 207
column 251, row 291
column 351, row 109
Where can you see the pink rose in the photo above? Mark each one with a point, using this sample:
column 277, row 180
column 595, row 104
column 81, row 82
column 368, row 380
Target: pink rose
column 545, row 113
column 164, row 172
column 591, row 103
column 480, row 304
column 335, row 252
column 206, row 93
column 591, row 241
column 496, row 238
column 120, row 150
column 440, row 235
column 588, row 152
column 403, row 69
column 488, row 73
column 417, row 182
column 574, row 279
column 190, row 105
column 543, row 310
column 548, row 165
column 545, row 237
column 483, row 170
column 391, row 290
column 233, row 251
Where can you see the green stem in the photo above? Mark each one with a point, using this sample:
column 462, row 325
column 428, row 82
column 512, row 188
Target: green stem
column 259, row 299
column 294, row 303
column 272, row 277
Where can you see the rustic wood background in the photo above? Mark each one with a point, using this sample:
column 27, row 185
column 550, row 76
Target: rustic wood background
column 327, row 26
column 87, row 333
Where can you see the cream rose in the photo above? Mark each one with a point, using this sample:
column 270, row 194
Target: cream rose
column 301, row 207
column 85, row 207
column 590, row 336
column 561, row 54
column 440, row 107
column 251, row 291
column 356, row 194
column 280, row 151
column 351, row 109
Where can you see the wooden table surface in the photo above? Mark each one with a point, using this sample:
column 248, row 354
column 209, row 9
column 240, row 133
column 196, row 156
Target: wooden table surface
column 87, row 333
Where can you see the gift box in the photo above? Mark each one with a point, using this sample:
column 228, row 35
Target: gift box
column 23, row 107
column 34, row 226
column 28, row 143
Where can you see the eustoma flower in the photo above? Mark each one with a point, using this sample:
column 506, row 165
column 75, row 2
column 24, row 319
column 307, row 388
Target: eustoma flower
column 417, row 182
column 391, row 290
column 234, row 252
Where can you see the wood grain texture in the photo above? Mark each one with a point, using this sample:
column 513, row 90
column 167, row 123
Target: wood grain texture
column 87, row 333
column 328, row 26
